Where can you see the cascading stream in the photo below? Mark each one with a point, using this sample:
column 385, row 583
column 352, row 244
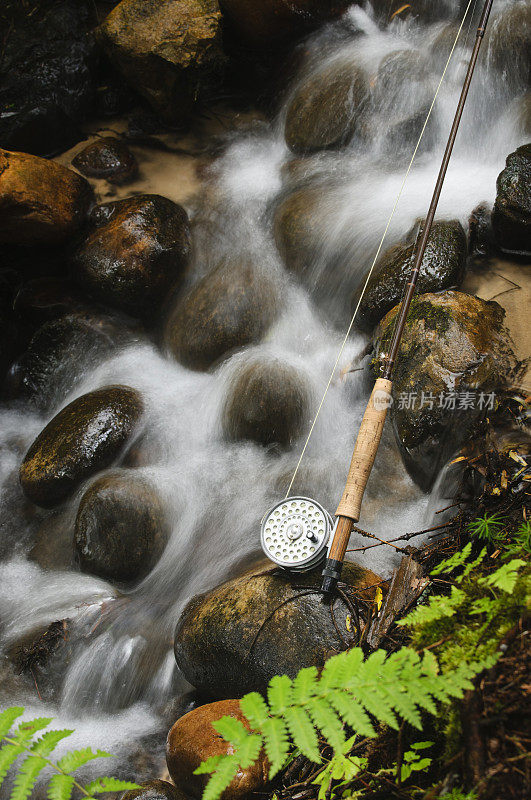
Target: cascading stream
column 216, row 491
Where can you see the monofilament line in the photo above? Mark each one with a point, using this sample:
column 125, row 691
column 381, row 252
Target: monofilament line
column 398, row 197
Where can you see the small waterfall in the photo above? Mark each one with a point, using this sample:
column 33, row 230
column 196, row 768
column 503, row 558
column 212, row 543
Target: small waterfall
column 216, row 491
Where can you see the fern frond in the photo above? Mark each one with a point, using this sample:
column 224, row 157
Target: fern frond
column 457, row 560
column 104, row 784
column 325, row 718
column 231, row 729
column 276, row 743
column 304, row 684
column 49, row 741
column 72, row 761
column 302, row 732
column 438, row 608
column 279, row 694
column 8, row 755
column 505, row 577
column 351, row 711
column 220, row 779
column 27, row 728
column 8, row 717
column 254, row 708
column 27, row 776
column 249, row 750
column 209, row 765
column 60, row 787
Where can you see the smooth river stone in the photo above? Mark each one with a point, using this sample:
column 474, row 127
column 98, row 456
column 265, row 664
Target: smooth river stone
column 107, row 158
column 88, row 435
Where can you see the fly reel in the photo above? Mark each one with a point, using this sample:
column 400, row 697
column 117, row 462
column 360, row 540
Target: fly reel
column 295, row 533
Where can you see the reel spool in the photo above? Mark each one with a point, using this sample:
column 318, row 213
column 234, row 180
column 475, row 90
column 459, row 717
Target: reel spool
column 295, row 533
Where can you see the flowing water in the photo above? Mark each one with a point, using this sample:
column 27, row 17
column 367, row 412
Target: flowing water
column 120, row 672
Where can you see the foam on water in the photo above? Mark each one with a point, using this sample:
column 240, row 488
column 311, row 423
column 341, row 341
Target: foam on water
column 216, row 491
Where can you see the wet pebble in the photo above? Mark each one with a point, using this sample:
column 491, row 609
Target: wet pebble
column 107, row 158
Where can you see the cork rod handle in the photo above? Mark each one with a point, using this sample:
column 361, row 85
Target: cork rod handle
column 365, row 450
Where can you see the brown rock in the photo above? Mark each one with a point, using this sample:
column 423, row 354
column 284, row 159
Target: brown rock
column 193, row 739
column 86, row 436
column 229, row 308
column 295, row 229
column 168, row 50
column 107, row 158
column 41, row 202
column 137, row 250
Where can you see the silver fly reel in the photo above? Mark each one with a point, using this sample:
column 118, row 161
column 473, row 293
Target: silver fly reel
column 295, row 533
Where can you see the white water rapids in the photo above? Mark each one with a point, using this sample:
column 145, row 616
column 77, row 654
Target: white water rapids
column 119, row 678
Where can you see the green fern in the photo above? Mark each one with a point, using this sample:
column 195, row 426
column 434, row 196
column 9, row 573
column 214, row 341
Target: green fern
column 62, row 784
column 350, row 691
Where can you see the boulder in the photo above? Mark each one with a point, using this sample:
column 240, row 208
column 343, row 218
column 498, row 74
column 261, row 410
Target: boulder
column 193, row 739
column 168, row 50
column 108, row 158
column 86, row 436
column 267, row 622
column 294, row 228
column 9, row 328
column 511, row 216
column 41, row 202
column 48, row 81
column 154, row 790
column 230, row 307
column 40, row 300
column 271, row 22
column 137, row 250
column 481, row 243
column 268, row 403
column 120, row 529
column 443, row 266
column 59, row 355
column 325, row 108
column 454, row 353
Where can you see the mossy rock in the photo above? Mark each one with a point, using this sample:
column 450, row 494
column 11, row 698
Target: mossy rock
column 443, row 266
column 267, row 402
column 230, row 307
column 511, row 215
column 41, row 202
column 86, row 436
column 325, row 109
column 121, row 528
column 267, row 622
column 452, row 343
column 136, row 252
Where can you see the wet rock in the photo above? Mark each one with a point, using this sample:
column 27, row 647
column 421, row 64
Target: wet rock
column 59, row 355
column 443, row 266
column 48, row 77
column 325, row 108
column 107, row 158
column 511, row 216
column 43, row 299
column 481, row 243
column 230, row 307
column 137, row 250
column 294, row 228
column 169, row 52
column 41, row 202
column 154, row 790
column 233, row 639
column 272, row 21
column 86, row 436
column 268, row 403
column 120, row 529
column 193, row 739
column 9, row 329
column 455, row 351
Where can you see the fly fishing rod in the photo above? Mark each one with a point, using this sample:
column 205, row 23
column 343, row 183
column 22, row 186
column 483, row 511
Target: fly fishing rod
column 298, row 532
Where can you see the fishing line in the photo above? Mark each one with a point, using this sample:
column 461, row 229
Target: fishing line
column 349, row 329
